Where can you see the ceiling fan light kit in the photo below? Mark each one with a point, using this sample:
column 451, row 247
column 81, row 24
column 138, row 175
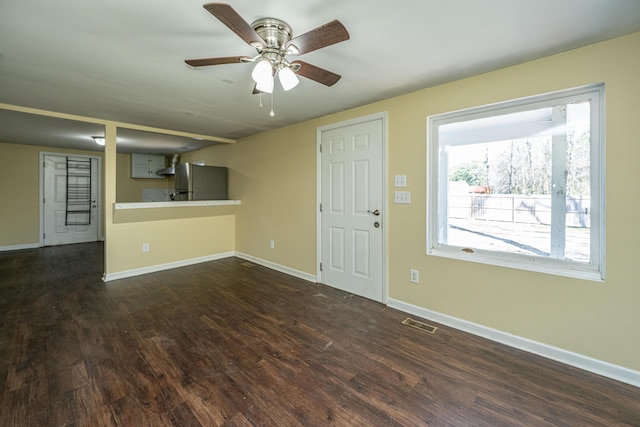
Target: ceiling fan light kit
column 273, row 40
column 288, row 78
column 263, row 76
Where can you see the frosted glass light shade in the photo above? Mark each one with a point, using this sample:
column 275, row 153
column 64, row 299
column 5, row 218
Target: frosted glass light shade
column 266, row 86
column 288, row 78
column 262, row 74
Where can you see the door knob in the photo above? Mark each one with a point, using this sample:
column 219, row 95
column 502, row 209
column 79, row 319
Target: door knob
column 376, row 212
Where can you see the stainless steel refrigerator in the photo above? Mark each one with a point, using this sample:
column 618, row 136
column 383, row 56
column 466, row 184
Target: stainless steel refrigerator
column 197, row 182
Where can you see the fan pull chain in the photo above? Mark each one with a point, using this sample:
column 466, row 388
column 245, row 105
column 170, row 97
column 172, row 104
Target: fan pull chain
column 271, row 113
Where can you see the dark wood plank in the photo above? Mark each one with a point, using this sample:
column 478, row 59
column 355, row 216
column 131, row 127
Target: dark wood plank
column 231, row 343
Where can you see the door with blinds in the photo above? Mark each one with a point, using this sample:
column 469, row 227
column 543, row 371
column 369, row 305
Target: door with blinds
column 70, row 199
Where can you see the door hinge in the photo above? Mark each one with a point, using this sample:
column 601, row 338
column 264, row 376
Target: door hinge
column 320, row 266
column 320, row 207
column 320, row 145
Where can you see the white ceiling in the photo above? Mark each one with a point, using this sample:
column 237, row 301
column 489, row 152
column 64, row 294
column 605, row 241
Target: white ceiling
column 123, row 60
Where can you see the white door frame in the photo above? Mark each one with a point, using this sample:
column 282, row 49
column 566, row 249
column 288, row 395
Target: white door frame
column 383, row 116
column 98, row 196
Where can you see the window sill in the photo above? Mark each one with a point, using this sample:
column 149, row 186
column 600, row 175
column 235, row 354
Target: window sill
column 534, row 264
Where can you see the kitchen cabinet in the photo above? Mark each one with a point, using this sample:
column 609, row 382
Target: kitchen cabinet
column 146, row 165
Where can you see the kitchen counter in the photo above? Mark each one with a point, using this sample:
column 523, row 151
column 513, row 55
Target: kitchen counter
column 175, row 204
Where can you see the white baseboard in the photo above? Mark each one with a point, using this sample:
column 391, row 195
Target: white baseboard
column 20, row 247
column 161, row 267
column 290, row 271
column 27, row 246
column 599, row 367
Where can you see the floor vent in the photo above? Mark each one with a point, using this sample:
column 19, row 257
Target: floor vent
column 248, row 264
column 420, row 325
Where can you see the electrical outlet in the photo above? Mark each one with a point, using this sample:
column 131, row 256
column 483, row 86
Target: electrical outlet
column 414, row 276
column 272, row 244
column 145, row 247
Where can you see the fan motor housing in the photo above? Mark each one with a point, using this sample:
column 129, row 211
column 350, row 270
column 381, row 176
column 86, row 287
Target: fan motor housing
column 274, row 32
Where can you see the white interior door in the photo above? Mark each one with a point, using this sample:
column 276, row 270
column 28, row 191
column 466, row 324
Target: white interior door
column 61, row 224
column 352, row 177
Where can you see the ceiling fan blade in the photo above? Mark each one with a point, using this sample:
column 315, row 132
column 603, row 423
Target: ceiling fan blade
column 229, row 17
column 216, row 61
column 316, row 73
column 325, row 35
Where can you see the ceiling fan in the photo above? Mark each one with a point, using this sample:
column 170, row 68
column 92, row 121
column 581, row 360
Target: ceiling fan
column 272, row 38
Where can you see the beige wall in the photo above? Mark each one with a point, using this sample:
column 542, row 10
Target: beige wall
column 275, row 176
column 20, row 206
column 170, row 240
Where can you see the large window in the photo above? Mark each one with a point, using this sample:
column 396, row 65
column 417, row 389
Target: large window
column 521, row 184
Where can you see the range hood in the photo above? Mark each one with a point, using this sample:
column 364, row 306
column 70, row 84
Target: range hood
column 171, row 170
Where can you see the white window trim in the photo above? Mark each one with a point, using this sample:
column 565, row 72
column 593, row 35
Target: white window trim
column 437, row 215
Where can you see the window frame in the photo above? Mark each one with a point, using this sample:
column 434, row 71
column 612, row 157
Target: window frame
column 437, row 216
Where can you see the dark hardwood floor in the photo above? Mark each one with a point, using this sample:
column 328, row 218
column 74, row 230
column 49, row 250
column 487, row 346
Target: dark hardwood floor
column 232, row 343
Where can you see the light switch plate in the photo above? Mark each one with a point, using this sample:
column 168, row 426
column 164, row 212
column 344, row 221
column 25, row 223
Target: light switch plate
column 400, row 181
column 402, row 197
